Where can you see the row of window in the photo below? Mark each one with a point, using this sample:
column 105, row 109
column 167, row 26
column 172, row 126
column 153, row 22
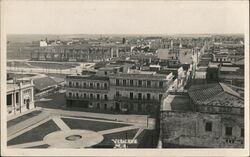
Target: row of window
column 89, row 85
column 139, row 96
column 139, row 83
column 105, row 97
column 228, row 129
column 90, row 96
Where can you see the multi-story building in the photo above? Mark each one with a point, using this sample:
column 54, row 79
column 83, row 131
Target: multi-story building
column 210, row 115
column 84, row 52
column 118, row 89
column 19, row 96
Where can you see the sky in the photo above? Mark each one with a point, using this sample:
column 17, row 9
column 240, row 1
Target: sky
column 124, row 17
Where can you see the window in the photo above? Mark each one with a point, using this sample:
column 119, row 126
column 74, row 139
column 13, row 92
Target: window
column 131, row 82
column 229, row 131
column 105, row 85
column 98, row 105
column 9, row 99
column 160, row 84
column 105, row 73
column 131, row 95
column 148, row 83
column 90, row 105
column 70, row 94
column 70, row 84
column 124, row 82
column 97, row 96
column 77, row 84
column 17, row 97
column 242, row 132
column 208, row 126
column 84, row 84
column 117, row 82
column 225, row 109
column 98, row 85
column 139, row 83
column 91, row 96
column 148, row 96
column 105, row 106
column 84, row 95
column 91, row 85
column 131, row 107
column 139, row 96
column 105, row 97
column 117, row 93
column 139, row 107
column 77, row 95
column 160, row 96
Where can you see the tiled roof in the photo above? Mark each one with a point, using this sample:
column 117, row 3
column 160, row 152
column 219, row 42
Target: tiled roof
column 206, row 93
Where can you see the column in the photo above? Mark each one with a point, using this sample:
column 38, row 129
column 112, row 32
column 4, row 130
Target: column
column 21, row 99
column 13, row 104
column 112, row 53
column 117, row 52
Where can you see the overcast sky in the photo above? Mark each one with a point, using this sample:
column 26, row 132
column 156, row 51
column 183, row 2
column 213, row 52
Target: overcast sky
column 127, row 17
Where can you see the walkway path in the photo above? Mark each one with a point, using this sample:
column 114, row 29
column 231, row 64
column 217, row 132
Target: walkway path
column 141, row 120
column 60, row 123
column 138, row 133
column 27, row 123
column 118, row 129
column 24, row 129
column 26, row 145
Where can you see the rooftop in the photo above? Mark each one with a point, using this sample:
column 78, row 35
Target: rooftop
column 205, row 94
column 202, row 69
column 231, row 69
column 185, row 56
column 204, row 62
column 14, row 85
column 240, row 62
column 44, row 82
column 88, row 77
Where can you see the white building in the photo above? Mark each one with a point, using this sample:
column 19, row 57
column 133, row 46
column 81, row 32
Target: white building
column 19, row 96
column 122, row 89
column 43, row 43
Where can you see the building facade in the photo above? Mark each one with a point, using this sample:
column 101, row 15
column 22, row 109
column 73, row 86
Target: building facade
column 19, row 96
column 78, row 52
column 210, row 116
column 126, row 90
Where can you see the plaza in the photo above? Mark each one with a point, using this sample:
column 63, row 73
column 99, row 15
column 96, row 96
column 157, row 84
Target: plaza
column 50, row 128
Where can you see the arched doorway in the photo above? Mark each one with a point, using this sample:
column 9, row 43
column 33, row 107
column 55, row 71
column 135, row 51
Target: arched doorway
column 28, row 104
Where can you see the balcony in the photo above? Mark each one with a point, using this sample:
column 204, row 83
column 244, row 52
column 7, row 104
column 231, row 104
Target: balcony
column 142, row 88
column 87, row 87
column 142, row 100
column 86, row 98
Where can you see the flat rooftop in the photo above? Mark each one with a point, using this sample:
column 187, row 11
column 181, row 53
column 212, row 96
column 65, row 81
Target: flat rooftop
column 88, row 77
column 231, row 69
column 185, row 56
